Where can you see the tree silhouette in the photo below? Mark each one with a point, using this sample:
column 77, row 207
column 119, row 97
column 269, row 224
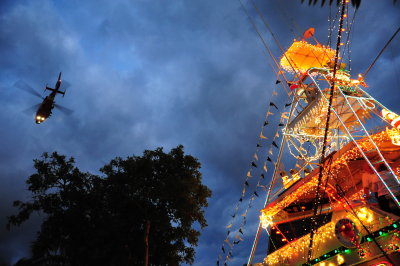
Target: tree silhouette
column 105, row 220
column 355, row 3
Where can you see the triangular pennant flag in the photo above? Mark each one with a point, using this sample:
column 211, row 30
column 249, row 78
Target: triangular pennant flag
column 262, row 175
column 227, row 241
column 229, row 226
column 253, row 164
column 265, row 123
column 255, row 193
column 249, row 174
column 270, row 151
column 258, row 145
column 270, row 113
column 240, row 231
column 230, row 254
column 274, row 144
column 281, row 125
column 277, row 81
column 272, row 104
column 223, row 249
column 240, row 199
column 246, row 183
column 274, row 93
column 269, row 159
column 236, row 242
column 265, row 169
column 255, row 157
column 262, row 136
column 234, row 215
column 284, row 115
column 227, row 233
column 277, row 134
column 288, row 104
column 245, row 213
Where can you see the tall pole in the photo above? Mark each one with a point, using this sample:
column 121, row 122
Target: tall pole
column 322, row 160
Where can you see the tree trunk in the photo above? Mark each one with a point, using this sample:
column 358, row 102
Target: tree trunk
column 147, row 243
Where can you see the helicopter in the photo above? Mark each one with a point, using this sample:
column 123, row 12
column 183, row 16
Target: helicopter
column 44, row 109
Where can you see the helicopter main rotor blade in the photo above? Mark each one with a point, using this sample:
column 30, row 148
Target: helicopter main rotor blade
column 24, row 86
column 31, row 109
column 63, row 109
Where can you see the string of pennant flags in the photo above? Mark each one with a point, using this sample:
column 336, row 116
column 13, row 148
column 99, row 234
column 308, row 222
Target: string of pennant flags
column 230, row 241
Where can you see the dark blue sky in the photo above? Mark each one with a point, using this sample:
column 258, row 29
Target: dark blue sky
column 146, row 74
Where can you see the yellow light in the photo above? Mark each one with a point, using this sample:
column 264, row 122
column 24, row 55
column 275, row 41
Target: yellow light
column 265, row 220
column 365, row 215
column 294, row 248
column 394, row 135
column 340, row 259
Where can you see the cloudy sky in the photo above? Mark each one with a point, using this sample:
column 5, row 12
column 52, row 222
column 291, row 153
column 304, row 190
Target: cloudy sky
column 159, row 73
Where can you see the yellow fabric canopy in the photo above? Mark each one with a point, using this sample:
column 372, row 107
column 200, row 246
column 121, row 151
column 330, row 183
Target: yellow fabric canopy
column 302, row 55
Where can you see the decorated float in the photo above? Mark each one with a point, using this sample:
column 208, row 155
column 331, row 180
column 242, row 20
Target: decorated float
column 335, row 154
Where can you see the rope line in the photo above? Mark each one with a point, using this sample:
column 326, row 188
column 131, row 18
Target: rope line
column 317, row 198
column 380, row 53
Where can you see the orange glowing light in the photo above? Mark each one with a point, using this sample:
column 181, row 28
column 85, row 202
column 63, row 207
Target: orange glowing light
column 301, row 56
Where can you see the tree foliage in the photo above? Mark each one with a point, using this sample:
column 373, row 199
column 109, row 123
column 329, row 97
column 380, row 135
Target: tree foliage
column 102, row 220
column 355, row 3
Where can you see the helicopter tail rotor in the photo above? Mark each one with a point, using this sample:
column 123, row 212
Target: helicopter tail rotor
column 65, row 85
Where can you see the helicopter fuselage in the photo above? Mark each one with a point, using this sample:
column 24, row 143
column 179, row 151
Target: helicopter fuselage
column 45, row 109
